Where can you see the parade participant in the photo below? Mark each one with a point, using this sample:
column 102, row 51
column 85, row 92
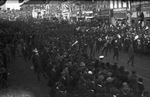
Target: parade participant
column 24, row 51
column 3, row 83
column 140, row 87
column 98, row 44
column 105, row 48
column 116, row 50
column 126, row 91
column 62, row 50
column 131, row 55
column 37, row 63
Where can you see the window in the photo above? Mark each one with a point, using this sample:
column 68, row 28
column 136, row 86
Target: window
column 119, row 3
column 124, row 4
column 111, row 4
column 115, row 3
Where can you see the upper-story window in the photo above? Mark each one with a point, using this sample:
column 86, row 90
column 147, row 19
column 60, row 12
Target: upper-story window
column 124, row 4
column 104, row 6
column 115, row 3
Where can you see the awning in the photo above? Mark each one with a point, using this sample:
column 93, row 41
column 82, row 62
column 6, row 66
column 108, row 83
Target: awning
column 102, row 17
column 119, row 15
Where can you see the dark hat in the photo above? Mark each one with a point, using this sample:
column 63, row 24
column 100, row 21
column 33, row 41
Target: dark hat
column 133, row 72
column 140, row 79
column 2, row 70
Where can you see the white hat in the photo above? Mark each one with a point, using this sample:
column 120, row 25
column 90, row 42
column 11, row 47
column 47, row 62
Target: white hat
column 136, row 37
column 101, row 57
column 35, row 50
column 90, row 72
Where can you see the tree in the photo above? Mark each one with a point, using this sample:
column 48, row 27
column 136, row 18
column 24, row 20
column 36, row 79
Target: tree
column 2, row 2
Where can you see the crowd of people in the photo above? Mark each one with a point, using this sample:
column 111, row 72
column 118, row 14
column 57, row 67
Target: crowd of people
column 59, row 51
column 13, row 15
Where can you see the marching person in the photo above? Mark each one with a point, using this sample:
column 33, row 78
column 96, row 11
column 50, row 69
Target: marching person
column 105, row 48
column 131, row 55
column 116, row 50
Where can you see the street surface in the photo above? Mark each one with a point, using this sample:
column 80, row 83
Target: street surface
column 23, row 77
column 142, row 66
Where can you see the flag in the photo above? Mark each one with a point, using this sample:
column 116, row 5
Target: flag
column 20, row 1
column 2, row 2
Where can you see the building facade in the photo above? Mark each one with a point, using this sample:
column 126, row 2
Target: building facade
column 120, row 10
column 87, row 9
column 53, row 9
column 103, row 10
column 66, row 10
column 37, row 9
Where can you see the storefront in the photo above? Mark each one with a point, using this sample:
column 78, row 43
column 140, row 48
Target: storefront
column 120, row 13
column 103, row 15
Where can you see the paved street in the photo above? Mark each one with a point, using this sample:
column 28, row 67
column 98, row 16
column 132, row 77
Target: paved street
column 23, row 77
column 142, row 66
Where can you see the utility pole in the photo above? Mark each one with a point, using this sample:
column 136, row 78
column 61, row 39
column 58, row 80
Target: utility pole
column 138, row 10
column 130, row 15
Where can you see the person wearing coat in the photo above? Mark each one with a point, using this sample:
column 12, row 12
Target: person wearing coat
column 141, row 87
column 116, row 50
column 52, row 77
column 131, row 55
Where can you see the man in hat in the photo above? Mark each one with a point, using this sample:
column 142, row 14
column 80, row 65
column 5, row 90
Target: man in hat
column 101, row 59
column 105, row 47
column 116, row 50
column 63, row 78
column 126, row 90
column 140, row 87
column 131, row 55
column 98, row 44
